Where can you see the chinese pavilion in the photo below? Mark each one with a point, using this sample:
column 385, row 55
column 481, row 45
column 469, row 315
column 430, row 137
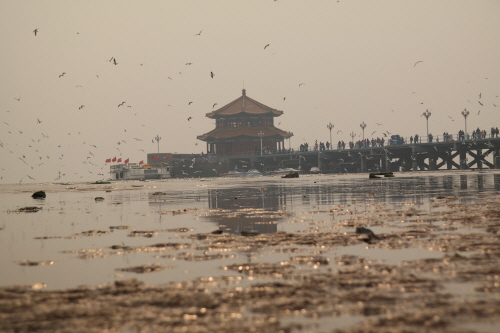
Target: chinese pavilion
column 242, row 127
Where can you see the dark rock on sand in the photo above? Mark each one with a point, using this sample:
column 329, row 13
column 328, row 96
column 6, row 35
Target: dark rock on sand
column 38, row 195
column 291, row 175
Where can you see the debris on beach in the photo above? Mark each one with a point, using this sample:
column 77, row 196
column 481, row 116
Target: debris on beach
column 35, row 263
column 377, row 174
column 144, row 268
column 28, row 209
column 99, row 199
column 38, row 195
column 291, row 175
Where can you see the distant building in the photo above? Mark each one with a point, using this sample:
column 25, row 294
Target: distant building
column 240, row 126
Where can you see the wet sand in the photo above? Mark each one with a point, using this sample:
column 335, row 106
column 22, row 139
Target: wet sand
column 146, row 258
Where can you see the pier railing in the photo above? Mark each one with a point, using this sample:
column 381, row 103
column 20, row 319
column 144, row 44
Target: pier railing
column 357, row 145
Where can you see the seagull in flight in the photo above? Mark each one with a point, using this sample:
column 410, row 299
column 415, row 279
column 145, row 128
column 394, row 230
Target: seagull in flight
column 212, row 74
column 62, row 74
column 35, row 31
column 18, row 99
column 214, row 105
column 114, row 61
column 266, row 46
column 38, row 120
column 199, row 33
column 301, row 84
column 121, row 104
column 190, row 118
column 190, row 103
column 480, row 103
column 417, row 63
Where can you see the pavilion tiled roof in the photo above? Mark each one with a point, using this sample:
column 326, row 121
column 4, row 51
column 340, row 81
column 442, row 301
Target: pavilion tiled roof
column 244, row 104
column 234, row 132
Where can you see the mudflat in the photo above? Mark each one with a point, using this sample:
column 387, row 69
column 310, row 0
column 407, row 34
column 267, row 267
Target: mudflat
column 254, row 255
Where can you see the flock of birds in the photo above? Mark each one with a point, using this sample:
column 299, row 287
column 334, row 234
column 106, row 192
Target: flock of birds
column 90, row 158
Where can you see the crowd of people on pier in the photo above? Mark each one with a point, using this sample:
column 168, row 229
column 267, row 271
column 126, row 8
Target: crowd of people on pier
column 381, row 142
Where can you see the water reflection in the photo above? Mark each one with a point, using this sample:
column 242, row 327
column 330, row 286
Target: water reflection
column 258, row 206
column 247, row 210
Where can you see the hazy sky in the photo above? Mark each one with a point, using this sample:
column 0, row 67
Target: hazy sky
column 357, row 61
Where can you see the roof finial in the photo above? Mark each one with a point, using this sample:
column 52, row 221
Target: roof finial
column 244, row 92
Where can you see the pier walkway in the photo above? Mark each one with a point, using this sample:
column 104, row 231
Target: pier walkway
column 451, row 155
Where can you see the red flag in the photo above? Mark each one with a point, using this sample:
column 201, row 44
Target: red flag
column 154, row 157
column 167, row 157
column 108, row 160
column 141, row 162
column 119, row 160
column 126, row 161
column 114, row 159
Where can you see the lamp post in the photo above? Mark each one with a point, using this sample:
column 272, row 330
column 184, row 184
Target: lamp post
column 465, row 113
column 158, row 138
column 290, row 134
column 260, row 134
column 352, row 136
column 363, row 125
column 330, row 127
column 427, row 114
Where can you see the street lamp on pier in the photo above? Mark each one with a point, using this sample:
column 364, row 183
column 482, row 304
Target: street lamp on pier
column 158, row 138
column 363, row 125
column 330, row 127
column 465, row 113
column 427, row 114
column 352, row 136
column 261, row 135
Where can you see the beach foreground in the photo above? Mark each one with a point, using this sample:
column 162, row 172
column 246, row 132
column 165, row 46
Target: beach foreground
column 431, row 265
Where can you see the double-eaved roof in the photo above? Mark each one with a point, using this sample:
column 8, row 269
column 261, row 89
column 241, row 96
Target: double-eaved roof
column 234, row 132
column 244, row 104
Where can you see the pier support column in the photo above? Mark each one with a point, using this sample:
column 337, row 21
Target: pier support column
column 496, row 159
column 432, row 162
column 463, row 160
column 449, row 164
column 387, row 161
column 479, row 163
column 414, row 164
column 363, row 163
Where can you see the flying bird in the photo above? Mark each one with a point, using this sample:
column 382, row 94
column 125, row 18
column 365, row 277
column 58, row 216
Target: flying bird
column 479, row 112
column 199, row 33
column 214, row 105
column 300, row 84
column 480, row 103
column 121, row 104
column 62, row 74
column 190, row 103
column 18, row 99
column 35, row 31
column 39, row 121
column 417, row 63
column 189, row 63
column 81, row 107
column 266, row 46
column 114, row 61
column 212, row 74
column 190, row 118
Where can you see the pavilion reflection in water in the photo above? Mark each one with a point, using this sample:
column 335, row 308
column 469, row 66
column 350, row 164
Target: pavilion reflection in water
column 246, row 209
